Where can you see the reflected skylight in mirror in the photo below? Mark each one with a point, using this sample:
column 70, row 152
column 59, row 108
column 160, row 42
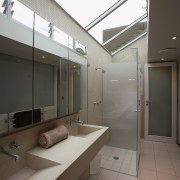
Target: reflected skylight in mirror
column 85, row 11
column 1, row 8
column 71, row 42
column 120, row 18
column 60, row 37
column 22, row 14
column 42, row 26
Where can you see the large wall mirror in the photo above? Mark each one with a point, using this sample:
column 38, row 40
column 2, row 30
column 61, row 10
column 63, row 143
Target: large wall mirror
column 43, row 71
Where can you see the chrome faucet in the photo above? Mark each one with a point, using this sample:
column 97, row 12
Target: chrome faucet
column 70, row 121
column 14, row 156
column 77, row 121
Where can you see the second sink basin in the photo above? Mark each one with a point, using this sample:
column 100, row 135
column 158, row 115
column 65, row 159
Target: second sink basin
column 81, row 130
column 38, row 163
column 32, row 165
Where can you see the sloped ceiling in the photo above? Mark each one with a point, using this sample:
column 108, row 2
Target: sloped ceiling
column 164, row 23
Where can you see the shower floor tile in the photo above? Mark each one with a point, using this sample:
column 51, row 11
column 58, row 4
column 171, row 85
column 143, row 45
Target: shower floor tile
column 119, row 160
column 158, row 161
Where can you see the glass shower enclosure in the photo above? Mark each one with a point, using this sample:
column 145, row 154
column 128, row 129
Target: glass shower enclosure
column 121, row 112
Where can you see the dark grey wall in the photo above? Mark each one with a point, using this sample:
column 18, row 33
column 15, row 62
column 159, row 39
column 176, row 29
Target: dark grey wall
column 16, row 84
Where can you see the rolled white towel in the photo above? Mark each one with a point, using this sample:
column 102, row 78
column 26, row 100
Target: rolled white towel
column 53, row 136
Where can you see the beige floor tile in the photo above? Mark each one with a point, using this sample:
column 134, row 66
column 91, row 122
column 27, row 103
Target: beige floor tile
column 107, row 175
column 147, row 174
column 177, row 170
column 164, row 168
column 147, row 151
column 147, row 165
column 161, row 153
column 146, row 158
column 164, row 161
column 93, row 177
column 163, row 176
column 175, row 162
column 126, row 177
column 174, row 155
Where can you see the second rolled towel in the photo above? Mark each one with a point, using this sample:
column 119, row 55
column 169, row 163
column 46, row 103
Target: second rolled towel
column 53, row 136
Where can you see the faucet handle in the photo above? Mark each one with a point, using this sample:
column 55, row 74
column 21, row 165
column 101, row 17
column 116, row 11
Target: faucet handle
column 13, row 145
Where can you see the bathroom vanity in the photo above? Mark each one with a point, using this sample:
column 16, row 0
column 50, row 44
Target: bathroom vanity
column 67, row 160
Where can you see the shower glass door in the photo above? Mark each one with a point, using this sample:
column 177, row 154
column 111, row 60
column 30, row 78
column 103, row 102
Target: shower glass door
column 120, row 107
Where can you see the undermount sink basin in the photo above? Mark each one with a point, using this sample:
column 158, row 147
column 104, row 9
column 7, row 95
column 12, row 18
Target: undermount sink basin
column 38, row 163
column 32, row 165
column 81, row 130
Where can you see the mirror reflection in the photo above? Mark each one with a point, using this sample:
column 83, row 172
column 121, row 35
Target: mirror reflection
column 42, row 78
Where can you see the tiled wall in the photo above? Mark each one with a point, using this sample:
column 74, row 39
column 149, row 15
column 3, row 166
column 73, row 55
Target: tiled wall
column 141, row 44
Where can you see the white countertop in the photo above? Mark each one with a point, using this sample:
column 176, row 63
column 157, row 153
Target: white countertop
column 71, row 155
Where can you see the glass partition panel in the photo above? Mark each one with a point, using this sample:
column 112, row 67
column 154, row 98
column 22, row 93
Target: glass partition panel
column 118, row 20
column 22, row 14
column 47, row 64
column 35, row 72
column 16, row 75
column 77, row 72
column 120, row 93
column 60, row 37
column 46, row 67
column 70, row 42
column 42, row 26
column 63, row 88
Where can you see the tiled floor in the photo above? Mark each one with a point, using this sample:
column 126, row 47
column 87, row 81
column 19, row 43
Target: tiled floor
column 126, row 162
column 158, row 161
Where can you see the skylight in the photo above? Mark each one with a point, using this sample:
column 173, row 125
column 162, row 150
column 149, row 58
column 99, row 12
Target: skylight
column 120, row 18
column 85, row 11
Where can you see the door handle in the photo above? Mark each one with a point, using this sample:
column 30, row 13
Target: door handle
column 148, row 102
column 136, row 110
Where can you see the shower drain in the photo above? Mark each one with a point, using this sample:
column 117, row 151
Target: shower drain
column 115, row 157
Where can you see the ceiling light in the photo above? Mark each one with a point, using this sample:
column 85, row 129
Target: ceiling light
column 114, row 80
column 174, row 37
